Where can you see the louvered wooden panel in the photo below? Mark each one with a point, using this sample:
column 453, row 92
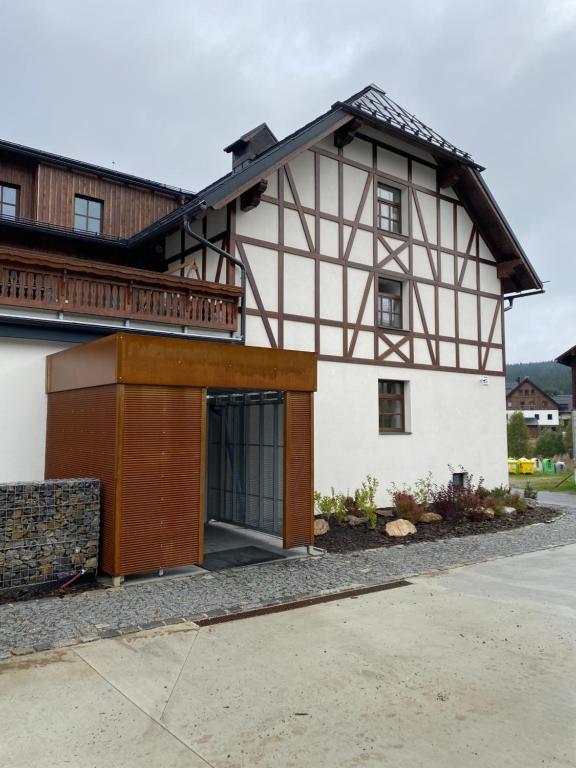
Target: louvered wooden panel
column 162, row 478
column 81, row 442
column 298, row 469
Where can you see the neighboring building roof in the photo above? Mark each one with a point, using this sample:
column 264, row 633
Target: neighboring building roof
column 564, row 402
column 567, row 358
column 40, row 155
column 526, row 380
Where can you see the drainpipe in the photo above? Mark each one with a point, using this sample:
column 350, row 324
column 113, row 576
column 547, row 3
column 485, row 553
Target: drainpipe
column 233, row 260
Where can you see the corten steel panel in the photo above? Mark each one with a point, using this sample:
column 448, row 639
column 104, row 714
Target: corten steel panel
column 150, row 360
column 81, row 442
column 161, row 478
column 298, row 470
column 86, row 365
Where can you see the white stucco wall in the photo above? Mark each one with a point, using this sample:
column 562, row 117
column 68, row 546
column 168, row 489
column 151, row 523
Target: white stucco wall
column 545, row 418
column 23, row 407
column 453, row 419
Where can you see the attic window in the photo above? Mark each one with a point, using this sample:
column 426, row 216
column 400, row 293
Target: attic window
column 389, row 209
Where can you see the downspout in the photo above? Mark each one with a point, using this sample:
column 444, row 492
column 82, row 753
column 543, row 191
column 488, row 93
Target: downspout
column 203, row 241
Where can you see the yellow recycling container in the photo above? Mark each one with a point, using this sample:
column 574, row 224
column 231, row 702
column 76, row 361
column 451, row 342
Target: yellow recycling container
column 526, row 466
column 513, row 467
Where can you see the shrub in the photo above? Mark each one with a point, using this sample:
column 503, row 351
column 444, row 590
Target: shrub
column 365, row 499
column 423, row 490
column 454, row 502
column 530, row 492
column 549, row 443
column 406, row 506
column 333, row 505
column 516, row 501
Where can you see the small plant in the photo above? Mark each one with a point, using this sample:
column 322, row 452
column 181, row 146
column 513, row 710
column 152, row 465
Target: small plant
column 365, row 499
column 516, row 501
column 455, row 502
column 423, row 490
column 530, row 492
column 333, row 505
column 406, row 506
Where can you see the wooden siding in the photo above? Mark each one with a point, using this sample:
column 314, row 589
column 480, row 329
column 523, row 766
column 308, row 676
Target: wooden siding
column 81, row 439
column 299, row 470
column 23, row 177
column 127, row 210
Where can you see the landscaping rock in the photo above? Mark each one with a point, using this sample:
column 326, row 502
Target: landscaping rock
column 385, row 512
column 531, row 503
column 400, row 527
column 320, row 526
column 430, row 517
column 509, row 510
column 353, row 520
column 486, row 514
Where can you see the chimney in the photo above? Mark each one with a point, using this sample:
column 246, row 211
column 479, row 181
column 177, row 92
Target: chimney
column 251, row 145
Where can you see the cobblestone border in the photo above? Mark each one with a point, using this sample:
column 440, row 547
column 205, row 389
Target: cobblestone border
column 50, row 623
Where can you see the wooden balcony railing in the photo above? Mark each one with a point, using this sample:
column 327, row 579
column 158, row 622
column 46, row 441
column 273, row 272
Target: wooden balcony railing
column 38, row 281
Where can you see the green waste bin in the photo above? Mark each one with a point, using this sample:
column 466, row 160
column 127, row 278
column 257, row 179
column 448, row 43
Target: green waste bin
column 548, row 467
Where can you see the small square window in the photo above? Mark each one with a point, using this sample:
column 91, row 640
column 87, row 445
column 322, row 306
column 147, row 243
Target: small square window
column 88, row 215
column 8, row 201
column 549, row 417
column 391, row 406
column 389, row 209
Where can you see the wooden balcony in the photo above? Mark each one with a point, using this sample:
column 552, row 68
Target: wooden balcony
column 36, row 281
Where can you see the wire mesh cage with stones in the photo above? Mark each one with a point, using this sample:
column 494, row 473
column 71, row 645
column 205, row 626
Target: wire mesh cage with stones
column 48, row 530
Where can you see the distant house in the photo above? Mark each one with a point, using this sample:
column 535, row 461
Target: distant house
column 540, row 411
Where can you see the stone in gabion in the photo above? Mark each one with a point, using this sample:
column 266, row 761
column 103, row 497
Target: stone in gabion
column 48, row 530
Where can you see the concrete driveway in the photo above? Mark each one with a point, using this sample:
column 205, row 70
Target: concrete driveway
column 475, row 667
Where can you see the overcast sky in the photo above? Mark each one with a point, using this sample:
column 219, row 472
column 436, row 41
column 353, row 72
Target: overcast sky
column 159, row 89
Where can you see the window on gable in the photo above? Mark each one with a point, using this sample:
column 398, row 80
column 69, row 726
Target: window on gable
column 549, row 417
column 389, row 208
column 390, row 406
column 8, row 201
column 88, row 215
column 389, row 303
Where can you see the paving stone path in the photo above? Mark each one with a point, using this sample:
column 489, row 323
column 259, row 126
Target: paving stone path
column 56, row 622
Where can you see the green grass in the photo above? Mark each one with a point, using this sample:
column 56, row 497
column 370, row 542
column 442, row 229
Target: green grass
column 562, row 482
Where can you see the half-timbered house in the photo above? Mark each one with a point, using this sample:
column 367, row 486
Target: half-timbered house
column 364, row 239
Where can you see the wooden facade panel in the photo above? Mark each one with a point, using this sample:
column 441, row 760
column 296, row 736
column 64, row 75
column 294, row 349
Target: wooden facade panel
column 81, row 436
column 23, row 177
column 299, row 470
column 126, row 209
column 161, row 477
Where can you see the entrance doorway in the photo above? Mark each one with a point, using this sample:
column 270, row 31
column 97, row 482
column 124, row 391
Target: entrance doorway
column 245, row 469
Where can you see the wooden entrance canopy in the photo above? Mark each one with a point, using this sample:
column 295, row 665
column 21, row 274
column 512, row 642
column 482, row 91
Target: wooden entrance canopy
column 131, row 411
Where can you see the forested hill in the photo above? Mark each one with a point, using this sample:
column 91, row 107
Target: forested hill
column 553, row 378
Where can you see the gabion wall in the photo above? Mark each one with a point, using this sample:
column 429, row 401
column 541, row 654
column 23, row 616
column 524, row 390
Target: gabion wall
column 48, row 530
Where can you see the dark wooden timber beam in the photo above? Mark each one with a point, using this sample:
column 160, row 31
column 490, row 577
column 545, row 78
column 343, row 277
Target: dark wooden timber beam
column 251, row 198
column 506, row 268
column 449, row 174
column 346, row 133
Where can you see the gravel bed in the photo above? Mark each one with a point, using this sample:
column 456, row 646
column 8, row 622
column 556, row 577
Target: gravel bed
column 55, row 622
